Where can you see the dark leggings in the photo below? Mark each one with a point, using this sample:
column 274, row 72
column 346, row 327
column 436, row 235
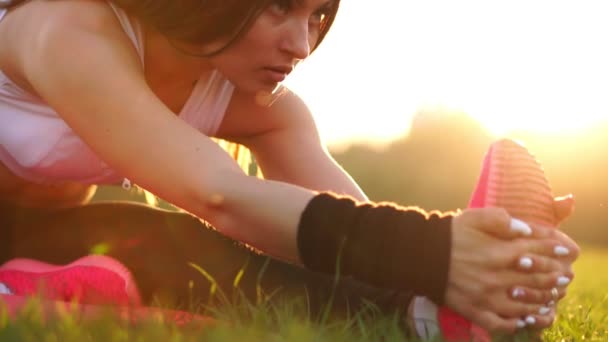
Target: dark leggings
column 157, row 246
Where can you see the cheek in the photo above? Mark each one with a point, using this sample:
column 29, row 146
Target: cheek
column 312, row 42
column 262, row 35
column 258, row 42
column 239, row 57
column 246, row 54
column 238, row 65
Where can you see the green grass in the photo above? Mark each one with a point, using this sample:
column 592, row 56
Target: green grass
column 582, row 316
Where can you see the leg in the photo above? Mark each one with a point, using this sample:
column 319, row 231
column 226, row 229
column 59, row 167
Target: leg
column 158, row 245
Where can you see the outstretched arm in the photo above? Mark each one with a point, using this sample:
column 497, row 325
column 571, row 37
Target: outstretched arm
column 286, row 143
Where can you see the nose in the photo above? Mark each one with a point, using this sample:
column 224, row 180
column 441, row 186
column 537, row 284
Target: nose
column 296, row 40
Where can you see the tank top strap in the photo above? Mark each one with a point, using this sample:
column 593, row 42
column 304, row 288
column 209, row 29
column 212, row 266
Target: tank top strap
column 208, row 102
column 132, row 28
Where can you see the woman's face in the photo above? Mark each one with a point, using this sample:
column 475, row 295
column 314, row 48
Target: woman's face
column 282, row 35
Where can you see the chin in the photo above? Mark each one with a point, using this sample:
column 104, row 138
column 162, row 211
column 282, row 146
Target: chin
column 256, row 88
column 267, row 96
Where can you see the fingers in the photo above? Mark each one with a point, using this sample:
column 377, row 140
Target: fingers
column 506, row 315
column 540, row 321
column 536, row 296
column 496, row 222
column 531, row 316
column 530, row 255
column 484, row 315
column 499, row 224
column 494, row 294
column 556, row 236
column 496, row 324
column 539, row 281
column 542, row 264
column 493, row 253
column 507, row 307
column 490, row 305
column 554, row 249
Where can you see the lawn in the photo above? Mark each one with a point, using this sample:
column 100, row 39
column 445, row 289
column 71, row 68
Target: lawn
column 582, row 316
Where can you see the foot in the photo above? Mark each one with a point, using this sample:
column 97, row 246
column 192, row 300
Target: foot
column 90, row 281
column 93, row 279
column 511, row 178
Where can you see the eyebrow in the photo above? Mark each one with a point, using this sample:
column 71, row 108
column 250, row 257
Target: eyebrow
column 304, row 3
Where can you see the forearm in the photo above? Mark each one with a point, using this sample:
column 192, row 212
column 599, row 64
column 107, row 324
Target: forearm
column 381, row 243
column 387, row 246
column 262, row 213
column 308, row 166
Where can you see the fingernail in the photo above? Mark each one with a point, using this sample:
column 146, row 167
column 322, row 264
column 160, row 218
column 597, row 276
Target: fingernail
column 561, row 251
column 521, row 324
column 519, row 226
column 563, row 281
column 530, row 320
column 517, row 292
column 525, row 263
column 544, row 310
column 551, row 303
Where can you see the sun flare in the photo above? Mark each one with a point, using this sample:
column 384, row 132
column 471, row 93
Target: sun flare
column 519, row 65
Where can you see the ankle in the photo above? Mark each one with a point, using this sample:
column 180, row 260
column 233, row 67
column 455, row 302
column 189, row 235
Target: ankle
column 4, row 290
column 422, row 318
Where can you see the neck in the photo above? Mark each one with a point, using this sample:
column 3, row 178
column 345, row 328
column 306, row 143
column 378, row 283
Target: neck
column 165, row 63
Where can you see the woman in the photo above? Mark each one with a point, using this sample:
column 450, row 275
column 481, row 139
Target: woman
column 132, row 91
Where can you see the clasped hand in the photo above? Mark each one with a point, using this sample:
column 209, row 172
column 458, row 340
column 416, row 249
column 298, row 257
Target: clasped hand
column 506, row 274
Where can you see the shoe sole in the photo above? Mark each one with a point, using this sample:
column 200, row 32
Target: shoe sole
column 517, row 183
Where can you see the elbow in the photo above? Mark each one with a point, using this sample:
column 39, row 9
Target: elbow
column 215, row 192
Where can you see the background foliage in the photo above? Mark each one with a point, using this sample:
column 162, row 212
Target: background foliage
column 437, row 164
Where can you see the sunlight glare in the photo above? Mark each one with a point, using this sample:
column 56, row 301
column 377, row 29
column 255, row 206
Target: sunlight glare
column 516, row 65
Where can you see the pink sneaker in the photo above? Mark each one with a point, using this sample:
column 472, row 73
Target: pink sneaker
column 513, row 179
column 91, row 281
column 94, row 279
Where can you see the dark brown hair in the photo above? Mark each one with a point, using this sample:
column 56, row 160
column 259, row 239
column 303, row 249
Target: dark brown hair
column 200, row 22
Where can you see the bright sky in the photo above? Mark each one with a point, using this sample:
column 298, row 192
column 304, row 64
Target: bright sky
column 511, row 64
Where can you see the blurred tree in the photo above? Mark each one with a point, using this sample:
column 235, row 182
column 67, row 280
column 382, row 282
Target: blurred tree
column 437, row 164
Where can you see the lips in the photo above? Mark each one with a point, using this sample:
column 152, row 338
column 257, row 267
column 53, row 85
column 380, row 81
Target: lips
column 278, row 73
column 282, row 69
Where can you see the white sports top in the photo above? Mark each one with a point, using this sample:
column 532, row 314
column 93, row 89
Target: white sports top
column 37, row 145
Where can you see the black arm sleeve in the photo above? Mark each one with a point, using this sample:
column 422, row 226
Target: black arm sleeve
column 382, row 244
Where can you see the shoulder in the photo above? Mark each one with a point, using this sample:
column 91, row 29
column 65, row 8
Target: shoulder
column 249, row 117
column 31, row 32
column 86, row 14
